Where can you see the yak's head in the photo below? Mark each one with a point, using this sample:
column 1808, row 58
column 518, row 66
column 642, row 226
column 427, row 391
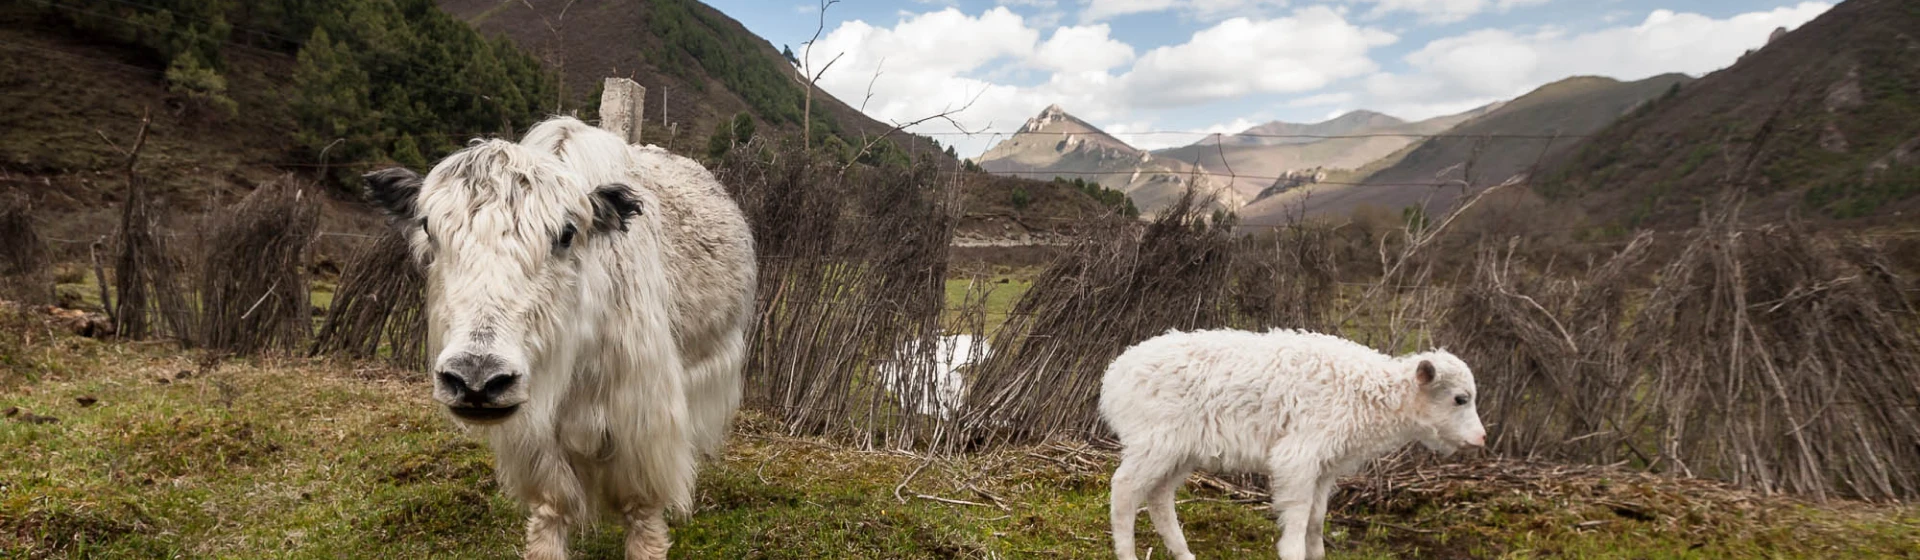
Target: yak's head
column 502, row 233
column 1443, row 405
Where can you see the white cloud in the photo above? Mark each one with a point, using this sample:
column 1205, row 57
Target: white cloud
column 1458, row 73
column 1335, row 98
column 1444, row 11
column 1097, row 10
column 1082, row 49
column 931, row 62
column 1206, row 10
column 1146, row 136
column 1305, row 51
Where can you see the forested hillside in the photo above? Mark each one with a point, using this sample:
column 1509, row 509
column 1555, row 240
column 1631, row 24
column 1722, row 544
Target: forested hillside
column 370, row 79
column 1823, row 121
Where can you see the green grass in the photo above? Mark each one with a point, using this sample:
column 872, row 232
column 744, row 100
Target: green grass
column 281, row 458
column 1002, row 292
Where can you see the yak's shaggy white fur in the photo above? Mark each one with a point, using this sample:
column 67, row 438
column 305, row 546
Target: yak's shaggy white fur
column 630, row 338
column 1302, row 407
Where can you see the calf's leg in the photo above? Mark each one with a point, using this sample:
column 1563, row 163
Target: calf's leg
column 1160, row 510
column 1293, row 488
column 1317, row 522
column 1133, row 481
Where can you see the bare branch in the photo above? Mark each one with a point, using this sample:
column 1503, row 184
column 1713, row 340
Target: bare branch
column 877, row 70
column 946, row 115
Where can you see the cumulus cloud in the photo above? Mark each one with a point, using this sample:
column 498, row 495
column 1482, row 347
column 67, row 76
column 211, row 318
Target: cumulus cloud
column 1444, row 11
column 934, row 61
column 1458, row 73
column 1314, row 59
column 1082, row 49
column 1207, row 10
column 1097, row 10
column 1305, row 51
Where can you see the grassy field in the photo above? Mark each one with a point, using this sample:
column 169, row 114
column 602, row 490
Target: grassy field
column 1002, row 291
column 117, row 450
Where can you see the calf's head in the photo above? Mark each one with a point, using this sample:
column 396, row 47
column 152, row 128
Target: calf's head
column 501, row 233
column 1443, row 408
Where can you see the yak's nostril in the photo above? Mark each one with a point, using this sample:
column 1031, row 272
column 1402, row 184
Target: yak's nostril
column 454, row 384
column 499, row 385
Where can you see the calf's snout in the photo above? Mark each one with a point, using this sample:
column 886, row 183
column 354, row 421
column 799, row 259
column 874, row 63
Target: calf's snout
column 479, row 387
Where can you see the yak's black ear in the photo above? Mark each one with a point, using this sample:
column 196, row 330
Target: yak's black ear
column 394, row 190
column 613, row 205
column 1424, row 372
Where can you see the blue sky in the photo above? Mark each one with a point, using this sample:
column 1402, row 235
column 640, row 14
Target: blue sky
column 1135, row 67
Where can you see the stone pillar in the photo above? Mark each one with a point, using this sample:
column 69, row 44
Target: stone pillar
column 622, row 107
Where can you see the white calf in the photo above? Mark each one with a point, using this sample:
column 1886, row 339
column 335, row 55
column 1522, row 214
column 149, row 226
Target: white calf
column 1305, row 408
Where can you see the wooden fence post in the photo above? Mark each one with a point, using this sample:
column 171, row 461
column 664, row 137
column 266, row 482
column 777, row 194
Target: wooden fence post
column 622, row 108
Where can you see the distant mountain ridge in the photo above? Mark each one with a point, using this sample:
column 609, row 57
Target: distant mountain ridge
column 1282, row 132
column 1482, row 151
column 1057, row 144
column 1336, row 146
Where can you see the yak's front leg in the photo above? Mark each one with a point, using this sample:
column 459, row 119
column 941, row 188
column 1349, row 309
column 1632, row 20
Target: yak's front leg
column 646, row 532
column 547, row 529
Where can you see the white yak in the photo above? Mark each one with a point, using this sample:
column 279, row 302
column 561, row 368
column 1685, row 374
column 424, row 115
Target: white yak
column 587, row 309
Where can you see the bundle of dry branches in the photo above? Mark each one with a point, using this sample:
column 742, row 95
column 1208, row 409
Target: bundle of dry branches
column 253, row 284
column 146, row 277
column 1776, row 359
column 380, row 300
column 1118, row 288
column 25, row 275
column 852, row 271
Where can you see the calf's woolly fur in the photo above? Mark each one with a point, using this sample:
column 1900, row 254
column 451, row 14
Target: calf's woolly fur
column 1303, row 407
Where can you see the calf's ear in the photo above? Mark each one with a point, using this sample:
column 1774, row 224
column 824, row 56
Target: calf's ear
column 394, row 190
column 613, row 205
column 1424, row 372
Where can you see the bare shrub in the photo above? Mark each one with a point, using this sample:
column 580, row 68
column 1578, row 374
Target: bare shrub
column 146, row 275
column 1547, row 351
column 253, row 283
column 1287, row 277
column 25, row 266
column 1775, row 359
column 380, row 300
column 1118, row 288
column 852, row 271
column 1783, row 361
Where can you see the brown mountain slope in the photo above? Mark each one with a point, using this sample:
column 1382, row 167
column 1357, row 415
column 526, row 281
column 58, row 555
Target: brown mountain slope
column 1825, row 118
column 698, row 65
column 1254, row 160
column 1472, row 153
column 1057, row 144
column 1276, row 132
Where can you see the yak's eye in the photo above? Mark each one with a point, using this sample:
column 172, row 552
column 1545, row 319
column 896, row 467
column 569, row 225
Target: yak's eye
column 1461, row 400
column 566, row 237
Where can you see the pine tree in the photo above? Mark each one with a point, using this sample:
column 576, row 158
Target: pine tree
column 200, row 83
column 332, row 103
column 742, row 128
